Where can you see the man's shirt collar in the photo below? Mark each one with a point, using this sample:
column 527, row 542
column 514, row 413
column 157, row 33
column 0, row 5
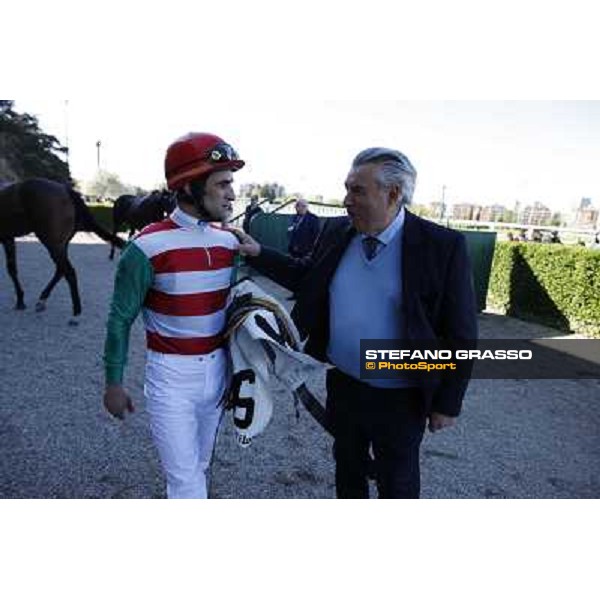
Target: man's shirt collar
column 388, row 234
column 184, row 220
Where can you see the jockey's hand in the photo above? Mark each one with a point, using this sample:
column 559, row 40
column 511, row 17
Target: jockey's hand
column 438, row 421
column 248, row 245
column 117, row 401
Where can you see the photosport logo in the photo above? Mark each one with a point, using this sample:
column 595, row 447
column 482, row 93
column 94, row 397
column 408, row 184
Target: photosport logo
column 548, row 358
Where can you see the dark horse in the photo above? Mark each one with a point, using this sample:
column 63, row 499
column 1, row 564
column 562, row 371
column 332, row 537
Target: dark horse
column 137, row 212
column 54, row 212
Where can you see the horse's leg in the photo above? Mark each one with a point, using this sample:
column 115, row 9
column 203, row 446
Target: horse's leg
column 60, row 257
column 41, row 303
column 10, row 250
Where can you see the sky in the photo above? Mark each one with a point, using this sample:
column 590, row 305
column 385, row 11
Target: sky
column 482, row 152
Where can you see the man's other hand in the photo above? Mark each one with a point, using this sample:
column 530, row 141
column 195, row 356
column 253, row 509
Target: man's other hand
column 117, row 401
column 438, row 421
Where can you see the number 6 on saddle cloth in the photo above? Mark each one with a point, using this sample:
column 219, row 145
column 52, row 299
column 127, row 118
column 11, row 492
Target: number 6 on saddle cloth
column 264, row 346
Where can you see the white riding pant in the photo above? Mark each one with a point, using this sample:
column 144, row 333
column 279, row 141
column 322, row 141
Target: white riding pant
column 182, row 399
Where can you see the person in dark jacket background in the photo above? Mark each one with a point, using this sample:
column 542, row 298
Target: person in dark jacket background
column 380, row 273
column 303, row 230
column 251, row 211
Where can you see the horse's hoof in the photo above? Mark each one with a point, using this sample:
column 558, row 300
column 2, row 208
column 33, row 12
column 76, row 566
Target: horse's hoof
column 73, row 322
column 40, row 306
column 20, row 306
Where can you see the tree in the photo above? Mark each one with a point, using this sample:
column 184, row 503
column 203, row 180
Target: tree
column 508, row 216
column 109, row 185
column 26, row 151
column 422, row 211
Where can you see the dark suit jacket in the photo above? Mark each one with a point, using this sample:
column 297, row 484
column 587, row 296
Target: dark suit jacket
column 438, row 297
column 304, row 235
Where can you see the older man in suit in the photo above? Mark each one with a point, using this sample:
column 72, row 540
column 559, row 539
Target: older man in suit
column 379, row 273
column 303, row 230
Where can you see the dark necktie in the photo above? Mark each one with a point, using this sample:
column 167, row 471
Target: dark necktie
column 371, row 246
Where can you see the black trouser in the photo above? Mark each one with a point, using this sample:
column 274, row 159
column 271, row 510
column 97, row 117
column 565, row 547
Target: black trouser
column 390, row 421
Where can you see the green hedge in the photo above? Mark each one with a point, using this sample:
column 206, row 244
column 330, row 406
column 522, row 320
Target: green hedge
column 103, row 214
column 550, row 284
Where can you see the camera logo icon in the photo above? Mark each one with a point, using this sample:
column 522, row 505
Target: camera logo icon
column 370, row 366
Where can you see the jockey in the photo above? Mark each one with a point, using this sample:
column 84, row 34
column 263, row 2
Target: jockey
column 177, row 273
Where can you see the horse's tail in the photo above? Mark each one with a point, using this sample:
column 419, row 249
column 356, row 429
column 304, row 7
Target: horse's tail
column 87, row 222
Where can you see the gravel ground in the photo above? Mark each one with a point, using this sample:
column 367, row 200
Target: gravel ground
column 515, row 439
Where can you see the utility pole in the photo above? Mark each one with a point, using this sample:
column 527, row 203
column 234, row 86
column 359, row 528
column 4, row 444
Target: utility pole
column 443, row 210
column 98, row 144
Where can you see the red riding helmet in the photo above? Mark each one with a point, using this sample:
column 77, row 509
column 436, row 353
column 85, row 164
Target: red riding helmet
column 197, row 154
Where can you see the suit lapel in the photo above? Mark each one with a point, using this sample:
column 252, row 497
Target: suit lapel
column 413, row 261
column 313, row 304
column 335, row 244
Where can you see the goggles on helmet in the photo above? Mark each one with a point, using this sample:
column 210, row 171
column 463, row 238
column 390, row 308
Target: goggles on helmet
column 222, row 153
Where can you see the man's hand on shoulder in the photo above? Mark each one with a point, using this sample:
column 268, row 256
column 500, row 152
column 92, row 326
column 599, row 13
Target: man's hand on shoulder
column 117, row 401
column 438, row 421
column 248, row 245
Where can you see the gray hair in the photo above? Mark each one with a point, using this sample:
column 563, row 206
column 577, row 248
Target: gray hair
column 396, row 169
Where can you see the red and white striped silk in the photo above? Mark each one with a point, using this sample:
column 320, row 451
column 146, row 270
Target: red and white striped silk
column 184, row 311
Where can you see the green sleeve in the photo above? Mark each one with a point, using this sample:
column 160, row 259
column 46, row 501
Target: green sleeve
column 132, row 281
